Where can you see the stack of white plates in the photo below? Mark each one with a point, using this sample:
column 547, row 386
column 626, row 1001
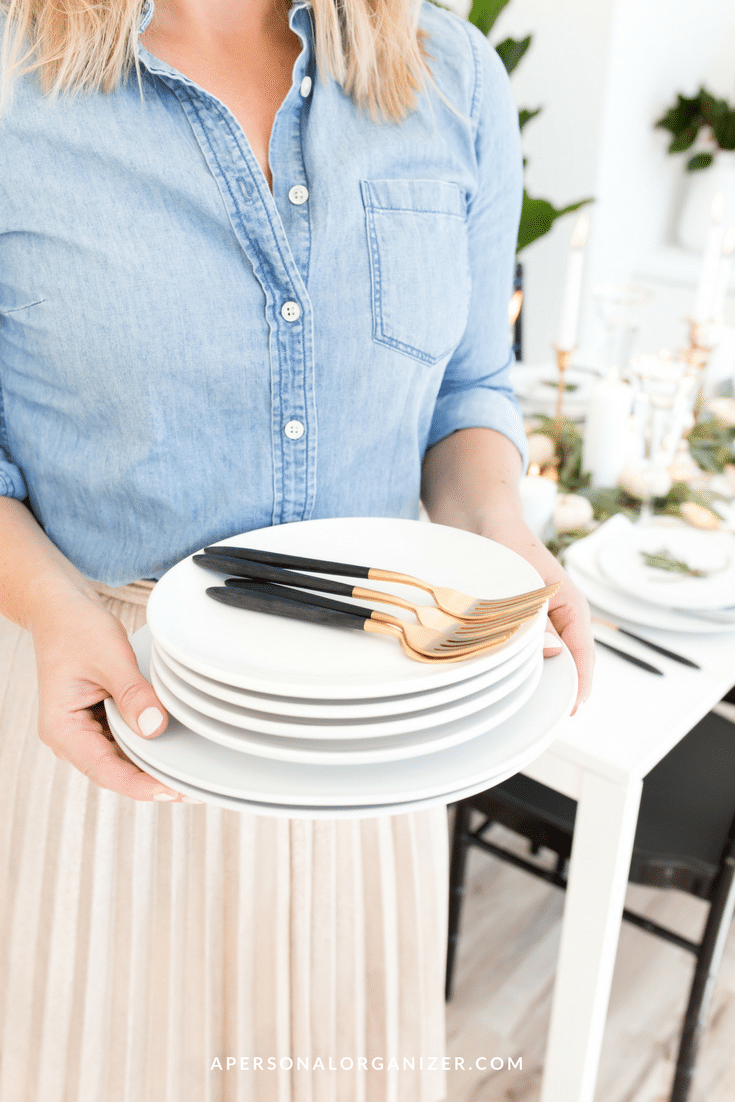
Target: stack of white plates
column 287, row 718
column 613, row 569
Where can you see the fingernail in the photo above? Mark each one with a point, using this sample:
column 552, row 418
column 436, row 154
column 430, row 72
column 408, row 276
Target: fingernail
column 551, row 641
column 164, row 796
column 149, row 721
column 191, row 800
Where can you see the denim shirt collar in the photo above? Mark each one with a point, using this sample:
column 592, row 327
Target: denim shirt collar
column 145, row 16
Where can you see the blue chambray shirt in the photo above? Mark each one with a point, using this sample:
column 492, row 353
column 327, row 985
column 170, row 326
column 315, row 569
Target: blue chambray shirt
column 185, row 355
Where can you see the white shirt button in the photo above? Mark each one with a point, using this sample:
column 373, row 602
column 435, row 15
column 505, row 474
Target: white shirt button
column 294, row 430
column 298, row 194
column 305, row 88
column 291, row 311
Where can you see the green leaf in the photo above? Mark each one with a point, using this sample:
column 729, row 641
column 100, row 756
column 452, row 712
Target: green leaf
column 684, row 140
column 700, row 161
column 723, row 128
column 511, row 50
column 524, row 116
column 687, row 117
column 483, row 13
column 606, row 503
column 685, row 114
column 539, row 215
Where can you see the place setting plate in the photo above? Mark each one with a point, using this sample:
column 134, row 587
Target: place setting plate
column 536, row 388
column 582, row 565
column 712, row 554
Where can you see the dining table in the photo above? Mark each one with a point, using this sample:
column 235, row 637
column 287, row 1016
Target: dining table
column 599, row 758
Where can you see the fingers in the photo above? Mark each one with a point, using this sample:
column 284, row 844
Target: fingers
column 80, row 739
column 552, row 642
column 137, row 703
column 571, row 620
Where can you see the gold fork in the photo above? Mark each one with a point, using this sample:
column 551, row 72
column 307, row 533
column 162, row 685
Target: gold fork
column 459, row 605
column 427, row 615
column 420, row 643
column 467, row 631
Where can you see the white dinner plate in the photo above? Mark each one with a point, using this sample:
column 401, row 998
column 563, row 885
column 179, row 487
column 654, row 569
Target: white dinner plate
column 182, row 754
column 177, row 695
column 621, row 559
column 580, row 562
column 622, row 607
column 370, row 811
column 269, row 703
column 270, row 654
column 535, row 386
column 366, row 750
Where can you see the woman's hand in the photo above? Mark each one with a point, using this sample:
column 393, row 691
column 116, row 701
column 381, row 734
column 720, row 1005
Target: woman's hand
column 82, row 657
column 569, row 613
column 470, row 480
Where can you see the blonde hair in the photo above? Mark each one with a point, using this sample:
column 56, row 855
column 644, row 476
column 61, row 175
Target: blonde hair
column 372, row 48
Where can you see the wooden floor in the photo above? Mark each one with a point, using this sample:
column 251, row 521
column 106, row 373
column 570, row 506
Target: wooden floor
column 505, row 969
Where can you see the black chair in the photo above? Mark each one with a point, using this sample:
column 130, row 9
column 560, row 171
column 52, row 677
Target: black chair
column 685, row 839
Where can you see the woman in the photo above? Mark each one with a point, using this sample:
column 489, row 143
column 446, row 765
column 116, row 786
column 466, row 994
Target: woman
column 255, row 237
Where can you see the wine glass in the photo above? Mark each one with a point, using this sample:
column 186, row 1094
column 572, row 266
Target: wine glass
column 620, row 306
column 664, row 396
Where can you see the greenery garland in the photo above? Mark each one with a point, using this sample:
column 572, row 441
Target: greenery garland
column 711, row 445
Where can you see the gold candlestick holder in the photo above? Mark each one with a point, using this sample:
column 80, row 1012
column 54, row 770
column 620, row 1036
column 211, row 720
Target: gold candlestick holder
column 699, row 351
column 563, row 360
column 697, row 356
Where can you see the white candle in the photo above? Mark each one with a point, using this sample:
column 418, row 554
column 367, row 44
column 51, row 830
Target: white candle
column 538, row 496
column 703, row 310
column 605, row 444
column 567, row 336
column 722, row 281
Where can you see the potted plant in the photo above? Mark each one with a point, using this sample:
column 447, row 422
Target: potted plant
column 704, row 127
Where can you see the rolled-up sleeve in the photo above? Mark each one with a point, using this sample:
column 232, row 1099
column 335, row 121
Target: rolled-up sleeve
column 476, row 390
column 12, row 483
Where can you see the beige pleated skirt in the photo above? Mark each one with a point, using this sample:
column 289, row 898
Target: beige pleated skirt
column 153, row 953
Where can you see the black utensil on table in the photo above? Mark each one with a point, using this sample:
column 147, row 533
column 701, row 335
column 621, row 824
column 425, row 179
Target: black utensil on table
column 647, row 643
column 629, row 658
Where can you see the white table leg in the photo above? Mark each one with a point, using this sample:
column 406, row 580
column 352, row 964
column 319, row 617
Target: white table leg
column 598, row 874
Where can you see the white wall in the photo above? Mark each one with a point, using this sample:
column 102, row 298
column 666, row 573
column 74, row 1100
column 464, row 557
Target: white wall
column 604, row 70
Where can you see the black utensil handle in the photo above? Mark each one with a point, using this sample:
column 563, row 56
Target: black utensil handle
column 287, row 593
column 271, row 574
column 294, row 562
column 261, row 598
column 629, row 657
column 660, row 650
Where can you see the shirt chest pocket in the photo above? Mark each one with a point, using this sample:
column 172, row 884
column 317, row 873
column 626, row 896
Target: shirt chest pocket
column 419, row 266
